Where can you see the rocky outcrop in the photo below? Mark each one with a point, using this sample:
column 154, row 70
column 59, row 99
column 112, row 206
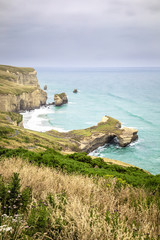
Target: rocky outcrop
column 20, row 89
column 89, row 139
column 60, row 99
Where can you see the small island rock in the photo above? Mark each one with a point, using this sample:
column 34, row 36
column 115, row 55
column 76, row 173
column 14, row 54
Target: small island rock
column 45, row 87
column 75, row 90
column 60, row 99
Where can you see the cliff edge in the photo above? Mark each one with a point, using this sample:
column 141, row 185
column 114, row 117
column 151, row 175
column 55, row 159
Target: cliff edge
column 19, row 89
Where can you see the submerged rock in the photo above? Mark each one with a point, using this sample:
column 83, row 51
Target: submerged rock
column 60, row 99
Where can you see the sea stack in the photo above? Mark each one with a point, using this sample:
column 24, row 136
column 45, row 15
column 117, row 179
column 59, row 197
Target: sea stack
column 75, row 90
column 45, row 87
column 60, row 99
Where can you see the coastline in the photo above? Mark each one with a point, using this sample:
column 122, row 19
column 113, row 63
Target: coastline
column 37, row 119
column 91, row 103
column 37, row 116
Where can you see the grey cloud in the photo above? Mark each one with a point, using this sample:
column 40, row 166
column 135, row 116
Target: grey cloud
column 86, row 32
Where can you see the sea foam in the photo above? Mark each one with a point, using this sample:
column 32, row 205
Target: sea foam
column 38, row 120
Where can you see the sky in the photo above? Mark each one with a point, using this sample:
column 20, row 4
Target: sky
column 80, row 33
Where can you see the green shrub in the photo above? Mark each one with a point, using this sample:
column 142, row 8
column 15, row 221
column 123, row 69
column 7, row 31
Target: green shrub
column 12, row 200
column 81, row 163
column 39, row 219
column 5, row 131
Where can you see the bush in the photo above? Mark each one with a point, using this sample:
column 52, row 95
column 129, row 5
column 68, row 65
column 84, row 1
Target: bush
column 82, row 164
column 12, row 200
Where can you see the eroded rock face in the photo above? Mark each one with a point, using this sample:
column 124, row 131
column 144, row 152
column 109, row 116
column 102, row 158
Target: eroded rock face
column 28, row 78
column 24, row 101
column 127, row 136
column 60, row 99
column 96, row 141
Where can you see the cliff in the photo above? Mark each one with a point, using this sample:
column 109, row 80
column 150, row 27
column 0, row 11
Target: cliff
column 19, row 89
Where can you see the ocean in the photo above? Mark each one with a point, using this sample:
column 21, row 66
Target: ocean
column 131, row 95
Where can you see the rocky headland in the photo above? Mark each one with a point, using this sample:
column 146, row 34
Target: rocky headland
column 20, row 89
column 89, row 139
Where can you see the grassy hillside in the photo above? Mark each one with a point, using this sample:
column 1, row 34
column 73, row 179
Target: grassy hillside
column 12, row 136
column 45, row 194
column 13, row 69
column 7, row 78
column 45, row 203
column 83, row 164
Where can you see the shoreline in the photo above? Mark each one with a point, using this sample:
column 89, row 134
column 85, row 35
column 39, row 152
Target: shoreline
column 108, row 160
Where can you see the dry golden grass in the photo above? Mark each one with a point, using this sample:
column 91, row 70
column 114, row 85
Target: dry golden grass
column 88, row 201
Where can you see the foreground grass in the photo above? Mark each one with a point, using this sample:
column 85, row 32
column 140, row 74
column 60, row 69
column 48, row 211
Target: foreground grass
column 69, row 206
column 80, row 163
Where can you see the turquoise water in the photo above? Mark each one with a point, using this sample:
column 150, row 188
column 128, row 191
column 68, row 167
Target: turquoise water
column 131, row 95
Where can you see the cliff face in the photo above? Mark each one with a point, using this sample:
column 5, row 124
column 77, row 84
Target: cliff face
column 24, row 101
column 20, row 89
column 26, row 78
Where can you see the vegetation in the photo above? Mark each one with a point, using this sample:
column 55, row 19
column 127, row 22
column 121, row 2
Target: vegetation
column 29, row 139
column 8, row 87
column 45, row 194
column 61, row 95
column 5, row 130
column 109, row 127
column 66, row 141
column 59, row 205
column 8, row 80
column 82, row 164
column 15, row 117
column 16, row 69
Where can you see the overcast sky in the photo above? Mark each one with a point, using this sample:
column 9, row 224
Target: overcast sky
column 72, row 33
